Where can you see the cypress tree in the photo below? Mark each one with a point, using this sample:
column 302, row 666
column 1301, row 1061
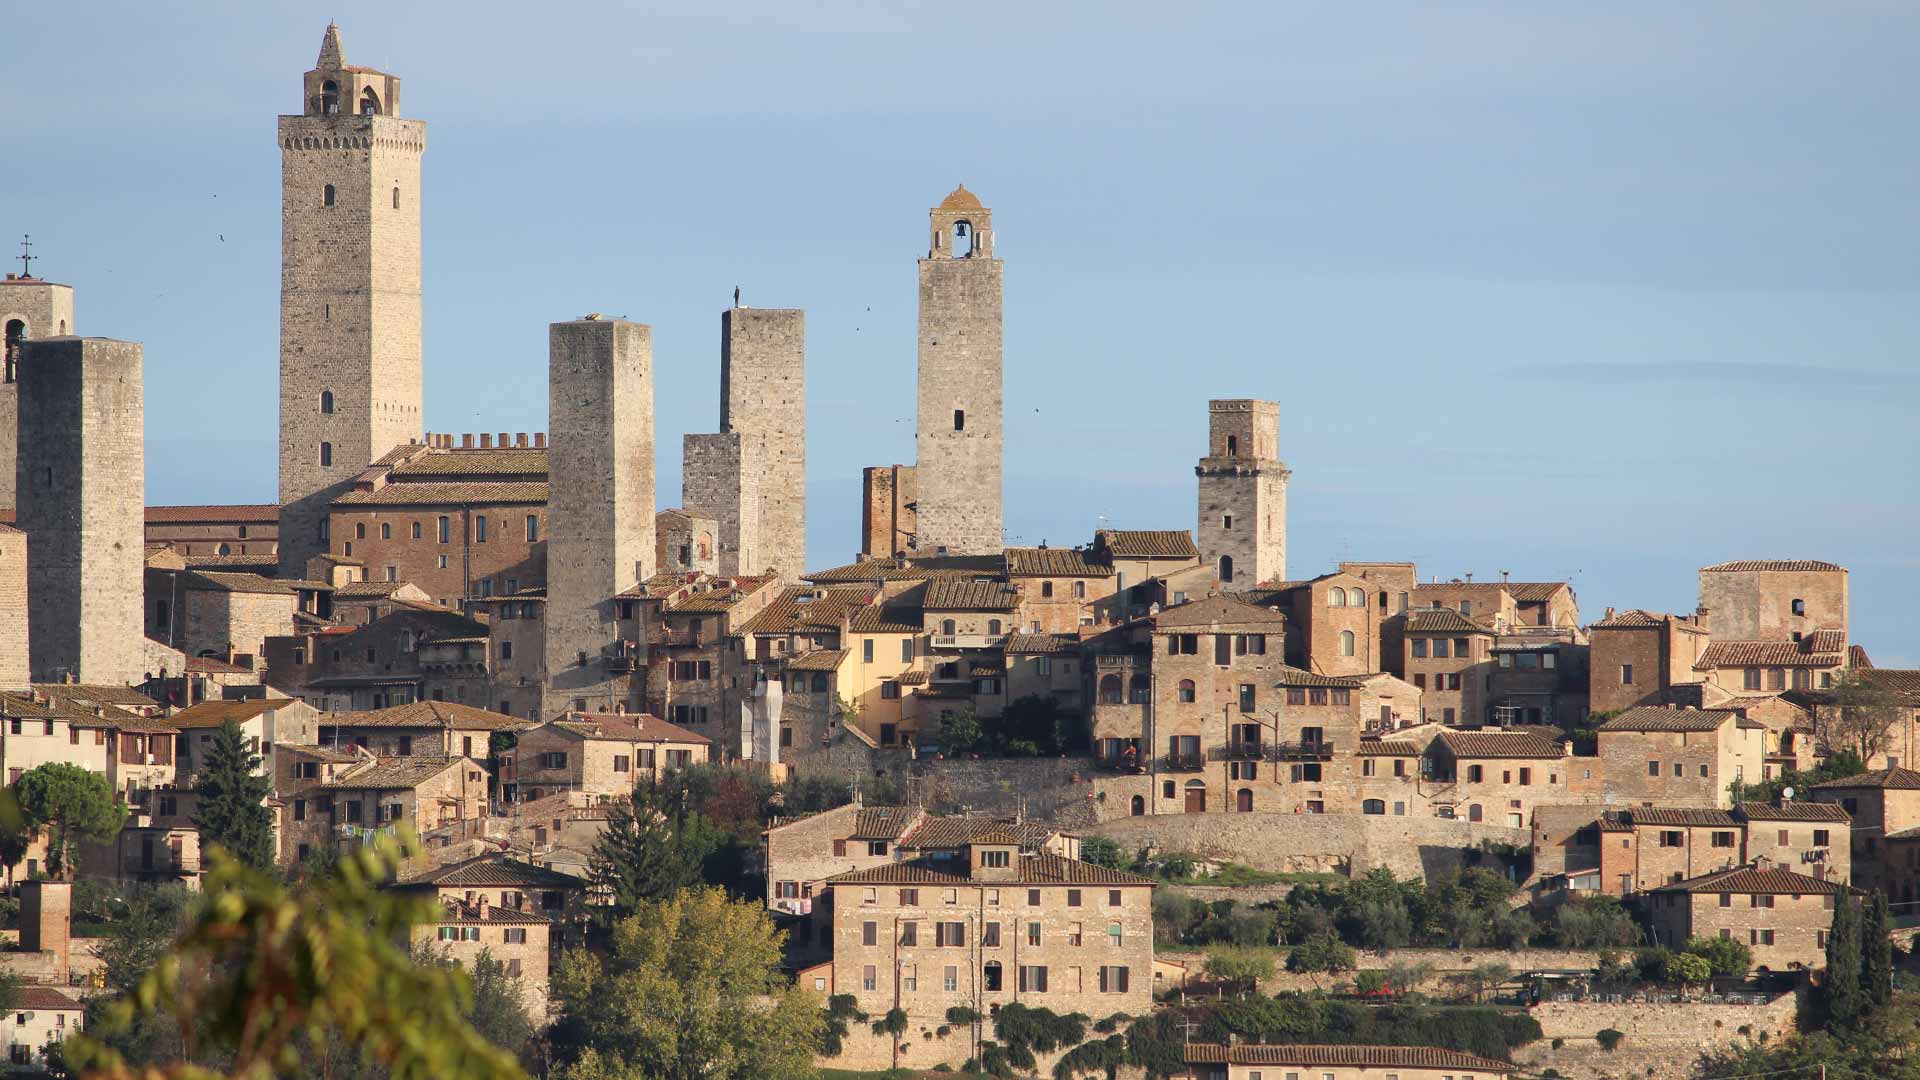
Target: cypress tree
column 232, row 810
column 1876, row 953
column 1845, row 1001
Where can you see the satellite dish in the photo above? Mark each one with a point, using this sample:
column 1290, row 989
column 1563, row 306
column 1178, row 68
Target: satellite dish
column 1786, row 793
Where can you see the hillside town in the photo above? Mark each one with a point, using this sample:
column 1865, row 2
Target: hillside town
column 1154, row 803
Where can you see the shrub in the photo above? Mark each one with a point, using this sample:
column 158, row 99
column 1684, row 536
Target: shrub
column 1370, row 982
column 959, row 1014
column 1103, row 851
column 1608, row 1038
column 1725, row 956
column 1228, row 962
column 1686, row 968
column 1323, row 952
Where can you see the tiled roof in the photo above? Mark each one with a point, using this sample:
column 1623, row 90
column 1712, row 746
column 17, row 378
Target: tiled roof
column 883, row 822
column 1632, row 617
column 1898, row 779
column 1148, row 544
column 1387, row 748
column 1898, row 680
column 818, row 660
column 477, row 461
column 1656, row 718
column 1793, row 811
column 1031, row 644
column 918, row 569
column 1314, row 1056
column 489, row 871
column 960, row 199
column 912, row 677
column 1824, row 641
column 627, row 727
column 1293, row 676
column 956, row 832
column 1054, row 562
column 1683, row 816
column 957, row 594
column 456, row 912
column 251, row 513
column 716, row 598
column 362, row 590
column 209, row 666
column 808, row 607
column 1033, row 870
column 1445, row 621
column 1733, row 654
column 209, row 580
column 1747, row 879
column 1501, row 744
column 228, row 562
column 1749, row 565
column 429, row 714
column 42, row 999
column 884, row 619
column 323, row 753
column 1857, row 657
column 393, row 773
column 1533, row 591
column 448, row 493
column 1222, row 611
column 212, row 714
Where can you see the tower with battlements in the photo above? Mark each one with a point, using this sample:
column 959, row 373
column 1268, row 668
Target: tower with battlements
column 960, row 439
column 30, row 307
column 349, row 290
column 1243, row 493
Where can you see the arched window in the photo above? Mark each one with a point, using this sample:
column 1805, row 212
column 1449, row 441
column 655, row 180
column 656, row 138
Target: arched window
column 962, row 239
column 1185, row 691
column 1473, row 812
column 369, row 102
column 1373, row 806
column 1139, row 806
column 1046, row 588
column 326, row 195
column 396, row 198
column 820, row 682
column 1243, row 800
column 959, row 419
column 224, row 550
column 329, row 98
column 1336, row 598
column 1079, row 590
column 326, row 401
column 1346, row 643
column 1138, row 689
column 16, row 333
column 1356, row 598
column 946, row 626
column 1226, row 568
column 326, row 454
column 1109, row 689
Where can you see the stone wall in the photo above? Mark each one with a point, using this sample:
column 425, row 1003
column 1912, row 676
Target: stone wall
column 13, row 606
column 763, row 397
column 1758, row 605
column 960, row 438
column 1442, row 962
column 720, row 479
column 1325, row 843
column 886, row 509
column 1243, row 494
column 1055, row 790
column 1663, row 1041
column 29, row 308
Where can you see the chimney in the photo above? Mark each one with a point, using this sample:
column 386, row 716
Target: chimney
column 520, row 440
column 540, row 440
column 486, row 441
column 466, row 442
column 480, row 905
column 1607, row 616
column 503, row 440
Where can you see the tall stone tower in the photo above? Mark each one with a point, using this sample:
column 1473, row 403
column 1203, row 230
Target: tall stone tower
column 720, row 478
column 1243, row 493
column 960, row 437
column 349, row 290
column 15, row 670
column 763, row 397
column 29, row 308
column 81, row 482
column 600, row 527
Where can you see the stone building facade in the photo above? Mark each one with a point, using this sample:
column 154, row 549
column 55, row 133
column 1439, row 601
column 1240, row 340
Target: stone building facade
column 763, row 398
column 598, row 755
column 1680, row 757
column 14, row 668
column 1773, row 599
column 1641, row 658
column 350, row 364
column 1212, row 1061
column 685, row 543
column 30, row 307
column 1242, row 531
column 220, row 532
column 720, row 479
column 960, row 436
column 1783, row 916
column 82, row 490
column 518, row 940
column 889, row 495
column 600, row 393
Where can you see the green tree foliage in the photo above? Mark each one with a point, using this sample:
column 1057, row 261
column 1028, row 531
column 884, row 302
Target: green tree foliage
column 16, row 832
column 1608, row 1038
column 260, row 976
column 689, row 988
column 1688, row 969
column 72, row 804
column 232, row 807
column 1379, row 912
column 648, row 852
column 1841, row 988
column 1034, row 726
column 499, row 1007
column 959, row 732
column 1321, row 953
column 1726, row 957
column 1155, row 1042
column 1234, row 962
column 1103, row 851
column 1594, row 922
column 1838, row 766
column 1481, row 978
column 140, row 933
column 1879, row 1048
column 1876, row 953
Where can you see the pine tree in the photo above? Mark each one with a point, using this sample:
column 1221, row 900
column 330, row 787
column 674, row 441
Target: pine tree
column 1845, row 1002
column 642, row 855
column 1876, row 953
column 232, row 811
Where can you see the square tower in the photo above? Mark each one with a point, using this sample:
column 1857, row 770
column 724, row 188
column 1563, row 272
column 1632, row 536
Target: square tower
column 960, row 438
column 600, row 513
column 721, row 477
column 29, row 308
column 81, row 482
column 349, row 290
column 15, row 672
column 763, row 398
column 1243, row 493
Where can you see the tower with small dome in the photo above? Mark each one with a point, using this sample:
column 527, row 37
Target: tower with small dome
column 960, row 440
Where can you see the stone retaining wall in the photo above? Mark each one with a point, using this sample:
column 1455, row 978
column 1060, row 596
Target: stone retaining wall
column 1663, row 1041
column 1321, row 843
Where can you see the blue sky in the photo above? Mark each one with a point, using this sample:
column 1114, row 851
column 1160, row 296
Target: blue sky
column 1597, row 293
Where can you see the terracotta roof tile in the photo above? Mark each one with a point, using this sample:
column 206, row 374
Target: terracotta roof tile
column 1898, row 779
column 1683, row 816
column 1857, row 657
column 1739, row 566
column 627, row 727
column 885, row 619
column 1747, row 879
column 1054, row 562
column 948, row 833
column 1313, row 1056
column 1657, row 718
column 447, row 715
column 393, row 773
column 717, row 598
column 1632, row 617
column 1147, row 544
column 1387, row 748
column 1793, row 811
column 808, row 607
column 955, row 594
column 212, row 714
column 1725, row 654
column 1898, row 680
column 251, row 513
column 1221, row 612
column 449, row 492
column 918, row 569
column 1534, row 591
column 1444, row 621
column 818, row 660
column 477, row 462
column 486, row 871
column 454, row 912
column 211, row 581
column 229, row 562
column 1293, row 676
column 43, row 999
column 1501, row 744
column 883, row 822
column 1033, row 870
column 1041, row 644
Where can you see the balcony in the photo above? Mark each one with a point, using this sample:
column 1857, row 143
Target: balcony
column 944, row 642
column 620, row 665
column 1300, row 751
column 1241, row 751
column 1183, row 762
column 670, row 637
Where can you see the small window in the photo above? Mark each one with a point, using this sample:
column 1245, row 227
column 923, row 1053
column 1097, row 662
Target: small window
column 396, row 198
column 326, row 455
column 326, row 195
column 326, row 401
column 1799, row 607
column 959, row 419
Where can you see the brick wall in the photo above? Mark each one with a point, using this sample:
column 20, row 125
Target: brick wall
column 886, row 516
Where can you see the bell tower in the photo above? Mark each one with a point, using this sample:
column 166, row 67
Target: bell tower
column 960, row 438
column 1243, row 493
column 350, row 384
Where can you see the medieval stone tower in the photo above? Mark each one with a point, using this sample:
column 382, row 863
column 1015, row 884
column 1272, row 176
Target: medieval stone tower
column 15, row 669
column 81, row 483
column 1243, row 493
column 29, row 308
column 751, row 477
column 349, row 290
column 600, row 525
column 960, row 437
